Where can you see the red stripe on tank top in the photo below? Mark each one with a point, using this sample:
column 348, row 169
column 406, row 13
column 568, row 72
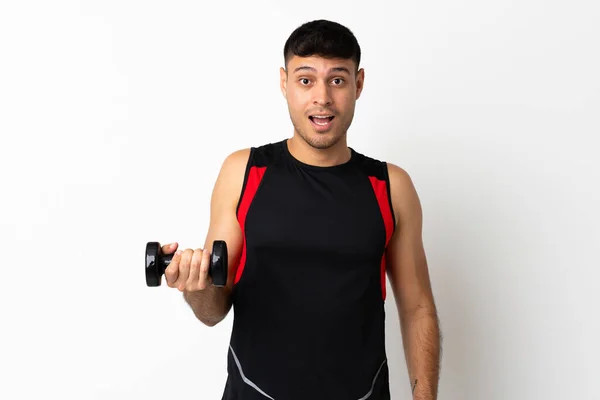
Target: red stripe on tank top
column 381, row 193
column 255, row 176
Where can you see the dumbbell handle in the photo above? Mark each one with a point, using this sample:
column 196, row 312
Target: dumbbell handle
column 164, row 261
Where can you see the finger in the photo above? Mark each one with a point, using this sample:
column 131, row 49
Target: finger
column 184, row 268
column 170, row 248
column 192, row 282
column 203, row 278
column 172, row 271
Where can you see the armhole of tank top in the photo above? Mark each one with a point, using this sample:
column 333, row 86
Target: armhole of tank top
column 389, row 194
column 245, row 182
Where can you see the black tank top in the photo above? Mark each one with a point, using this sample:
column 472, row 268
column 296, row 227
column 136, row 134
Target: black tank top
column 309, row 291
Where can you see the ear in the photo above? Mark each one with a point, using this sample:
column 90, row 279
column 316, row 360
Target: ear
column 283, row 81
column 360, row 81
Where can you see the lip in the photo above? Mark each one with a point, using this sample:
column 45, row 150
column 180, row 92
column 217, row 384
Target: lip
column 322, row 127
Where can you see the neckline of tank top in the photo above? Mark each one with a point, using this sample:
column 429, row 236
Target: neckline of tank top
column 348, row 163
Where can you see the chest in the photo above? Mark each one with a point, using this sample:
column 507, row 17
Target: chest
column 317, row 214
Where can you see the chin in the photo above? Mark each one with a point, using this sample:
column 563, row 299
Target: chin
column 322, row 140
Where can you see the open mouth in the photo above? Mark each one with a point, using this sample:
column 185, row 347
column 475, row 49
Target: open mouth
column 322, row 121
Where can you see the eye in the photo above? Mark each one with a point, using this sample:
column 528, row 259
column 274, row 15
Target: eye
column 304, row 81
column 339, row 81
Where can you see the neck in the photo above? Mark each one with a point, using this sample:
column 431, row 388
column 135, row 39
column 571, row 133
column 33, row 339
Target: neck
column 337, row 154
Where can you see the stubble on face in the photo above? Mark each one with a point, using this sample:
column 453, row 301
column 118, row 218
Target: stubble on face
column 319, row 140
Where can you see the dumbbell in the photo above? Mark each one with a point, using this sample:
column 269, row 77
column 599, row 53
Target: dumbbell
column 157, row 262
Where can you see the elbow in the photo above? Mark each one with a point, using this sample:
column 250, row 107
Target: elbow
column 212, row 320
column 420, row 310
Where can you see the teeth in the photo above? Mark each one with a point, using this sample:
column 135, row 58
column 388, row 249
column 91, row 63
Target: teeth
column 322, row 116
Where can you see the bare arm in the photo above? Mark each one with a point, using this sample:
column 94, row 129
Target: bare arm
column 212, row 304
column 409, row 277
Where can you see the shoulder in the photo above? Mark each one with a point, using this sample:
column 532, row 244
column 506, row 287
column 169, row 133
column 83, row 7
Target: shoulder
column 402, row 192
column 238, row 157
column 241, row 157
column 231, row 177
column 260, row 155
column 399, row 176
column 383, row 170
column 371, row 166
column 404, row 196
column 237, row 164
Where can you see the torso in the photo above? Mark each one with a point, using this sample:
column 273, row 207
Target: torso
column 310, row 288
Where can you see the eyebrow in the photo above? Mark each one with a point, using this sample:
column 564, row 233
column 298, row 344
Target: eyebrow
column 312, row 69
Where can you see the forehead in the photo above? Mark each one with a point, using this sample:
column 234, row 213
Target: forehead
column 319, row 65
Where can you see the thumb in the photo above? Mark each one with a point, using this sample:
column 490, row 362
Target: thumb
column 170, row 248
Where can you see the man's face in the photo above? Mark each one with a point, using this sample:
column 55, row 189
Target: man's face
column 321, row 95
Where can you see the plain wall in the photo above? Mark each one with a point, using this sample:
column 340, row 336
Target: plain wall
column 115, row 117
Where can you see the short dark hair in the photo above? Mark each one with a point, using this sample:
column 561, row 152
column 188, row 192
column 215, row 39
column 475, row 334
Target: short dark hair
column 322, row 38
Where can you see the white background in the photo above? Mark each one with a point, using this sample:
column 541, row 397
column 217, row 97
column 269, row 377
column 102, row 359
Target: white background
column 116, row 115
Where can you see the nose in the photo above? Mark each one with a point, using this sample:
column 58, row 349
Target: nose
column 322, row 95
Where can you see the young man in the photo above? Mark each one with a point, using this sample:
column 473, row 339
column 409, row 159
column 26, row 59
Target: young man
column 312, row 228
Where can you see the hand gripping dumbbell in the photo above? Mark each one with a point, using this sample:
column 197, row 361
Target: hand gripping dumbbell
column 157, row 262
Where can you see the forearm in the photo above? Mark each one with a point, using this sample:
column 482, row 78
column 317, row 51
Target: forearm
column 210, row 305
column 422, row 348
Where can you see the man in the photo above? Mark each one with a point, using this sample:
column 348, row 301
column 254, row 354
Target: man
column 312, row 228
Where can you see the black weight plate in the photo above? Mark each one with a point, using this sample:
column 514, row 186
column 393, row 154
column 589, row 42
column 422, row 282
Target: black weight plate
column 153, row 275
column 219, row 260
